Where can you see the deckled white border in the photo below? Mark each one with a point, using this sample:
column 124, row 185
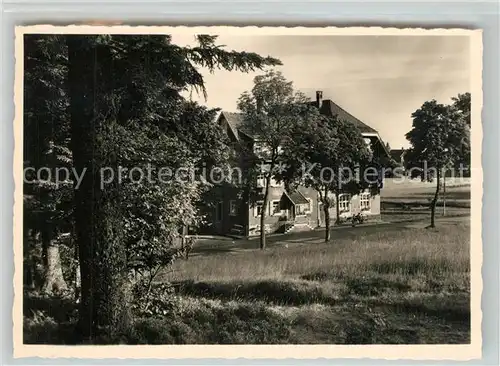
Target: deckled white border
column 389, row 352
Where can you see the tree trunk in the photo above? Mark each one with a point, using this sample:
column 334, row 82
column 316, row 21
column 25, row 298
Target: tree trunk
column 263, row 214
column 54, row 282
column 337, row 207
column 326, row 208
column 29, row 274
column 38, row 267
column 444, row 195
column 105, row 291
column 78, row 281
column 434, row 200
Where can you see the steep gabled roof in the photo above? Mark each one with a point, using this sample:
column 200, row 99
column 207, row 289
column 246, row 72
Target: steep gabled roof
column 233, row 120
column 296, row 197
column 329, row 108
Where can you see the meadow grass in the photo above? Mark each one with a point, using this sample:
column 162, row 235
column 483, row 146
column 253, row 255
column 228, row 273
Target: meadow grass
column 411, row 286
column 410, row 253
column 398, row 287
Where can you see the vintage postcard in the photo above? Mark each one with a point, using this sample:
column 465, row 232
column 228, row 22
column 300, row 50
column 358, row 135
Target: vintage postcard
column 245, row 192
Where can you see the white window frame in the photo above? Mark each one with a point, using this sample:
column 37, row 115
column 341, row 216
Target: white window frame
column 256, row 208
column 261, row 181
column 233, row 208
column 365, row 201
column 303, row 214
column 345, row 205
column 311, row 205
column 271, row 206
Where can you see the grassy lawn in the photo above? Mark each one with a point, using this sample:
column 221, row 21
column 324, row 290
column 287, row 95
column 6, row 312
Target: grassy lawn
column 410, row 286
column 396, row 214
column 421, row 195
column 413, row 202
column 384, row 284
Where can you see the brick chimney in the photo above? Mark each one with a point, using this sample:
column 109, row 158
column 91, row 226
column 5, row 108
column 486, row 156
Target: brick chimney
column 319, row 98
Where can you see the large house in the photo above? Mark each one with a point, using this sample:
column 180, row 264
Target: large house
column 289, row 210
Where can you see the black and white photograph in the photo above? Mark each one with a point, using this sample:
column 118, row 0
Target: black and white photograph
column 247, row 186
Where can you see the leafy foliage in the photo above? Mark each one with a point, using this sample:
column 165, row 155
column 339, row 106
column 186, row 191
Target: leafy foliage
column 112, row 104
column 440, row 140
column 157, row 300
column 324, row 153
column 271, row 110
column 462, row 102
column 440, row 137
column 48, row 182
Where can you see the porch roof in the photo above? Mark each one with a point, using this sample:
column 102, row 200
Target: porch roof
column 296, row 197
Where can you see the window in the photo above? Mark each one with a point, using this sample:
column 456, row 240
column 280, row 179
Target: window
column 304, row 208
column 299, row 210
column 364, row 201
column 310, row 208
column 261, row 181
column 368, row 143
column 257, row 209
column 233, row 208
column 218, row 211
column 345, row 203
column 274, row 208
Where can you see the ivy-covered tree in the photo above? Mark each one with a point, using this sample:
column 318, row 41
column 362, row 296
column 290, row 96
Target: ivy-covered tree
column 118, row 86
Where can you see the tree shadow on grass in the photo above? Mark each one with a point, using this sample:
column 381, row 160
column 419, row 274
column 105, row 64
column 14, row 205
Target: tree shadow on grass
column 271, row 291
column 458, row 312
column 400, row 296
column 207, row 251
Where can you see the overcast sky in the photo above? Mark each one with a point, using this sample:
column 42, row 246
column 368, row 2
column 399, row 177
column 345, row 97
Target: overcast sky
column 379, row 79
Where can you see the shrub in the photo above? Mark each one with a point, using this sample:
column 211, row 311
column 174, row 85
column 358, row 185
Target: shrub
column 154, row 300
column 43, row 329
